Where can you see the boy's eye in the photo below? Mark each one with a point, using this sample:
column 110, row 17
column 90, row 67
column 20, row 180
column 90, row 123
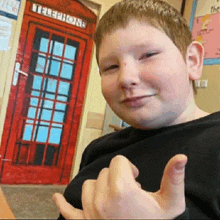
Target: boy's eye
column 110, row 68
column 146, row 55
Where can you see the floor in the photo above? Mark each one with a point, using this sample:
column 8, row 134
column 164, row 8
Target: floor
column 32, row 201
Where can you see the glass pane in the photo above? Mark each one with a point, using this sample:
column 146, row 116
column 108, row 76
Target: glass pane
column 51, row 85
column 60, row 106
column 49, row 96
column 55, row 135
column 34, row 101
column 39, row 154
column 48, row 104
column 57, row 45
column 51, row 150
column 67, row 71
column 31, row 112
column 34, row 93
column 62, row 98
column 41, row 40
column 55, row 67
column 42, row 133
column 58, row 116
column 30, row 121
column 37, row 82
column 70, row 52
column 71, row 49
column 57, row 125
column 40, row 64
column 44, row 45
column 44, row 123
column 27, row 132
column 46, row 114
column 63, row 88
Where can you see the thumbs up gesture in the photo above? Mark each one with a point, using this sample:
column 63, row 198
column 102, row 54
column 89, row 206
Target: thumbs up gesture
column 115, row 194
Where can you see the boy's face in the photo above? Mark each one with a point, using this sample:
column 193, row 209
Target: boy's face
column 144, row 76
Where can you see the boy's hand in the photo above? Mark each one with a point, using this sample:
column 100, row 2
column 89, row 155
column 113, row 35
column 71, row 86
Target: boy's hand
column 116, row 194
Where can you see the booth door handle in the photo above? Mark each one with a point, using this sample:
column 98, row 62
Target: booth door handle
column 16, row 73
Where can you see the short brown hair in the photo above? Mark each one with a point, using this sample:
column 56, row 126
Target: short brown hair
column 157, row 13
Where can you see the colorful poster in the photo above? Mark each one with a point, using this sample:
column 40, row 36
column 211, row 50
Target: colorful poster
column 205, row 26
column 10, row 8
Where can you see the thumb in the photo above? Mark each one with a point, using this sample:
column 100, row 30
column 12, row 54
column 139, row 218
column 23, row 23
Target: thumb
column 172, row 184
column 67, row 210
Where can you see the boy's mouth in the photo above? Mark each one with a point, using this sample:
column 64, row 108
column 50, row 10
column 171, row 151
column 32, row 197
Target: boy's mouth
column 136, row 101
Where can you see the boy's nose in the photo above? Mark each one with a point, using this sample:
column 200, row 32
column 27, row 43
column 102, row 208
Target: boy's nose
column 129, row 75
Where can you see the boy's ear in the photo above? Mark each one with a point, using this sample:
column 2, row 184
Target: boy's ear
column 194, row 60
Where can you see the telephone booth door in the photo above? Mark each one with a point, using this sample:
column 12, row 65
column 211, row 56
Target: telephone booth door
column 45, row 102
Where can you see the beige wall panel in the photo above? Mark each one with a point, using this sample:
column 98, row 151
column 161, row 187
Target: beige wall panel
column 188, row 10
column 95, row 120
column 208, row 98
column 175, row 3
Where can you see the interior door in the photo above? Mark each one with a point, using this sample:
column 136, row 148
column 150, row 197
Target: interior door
column 47, row 84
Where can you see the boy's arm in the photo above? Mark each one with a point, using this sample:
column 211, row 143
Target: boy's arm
column 116, row 194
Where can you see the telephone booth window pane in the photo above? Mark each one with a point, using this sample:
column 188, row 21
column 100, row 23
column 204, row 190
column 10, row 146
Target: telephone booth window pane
column 62, row 98
column 70, row 52
column 58, row 116
column 60, row 106
column 67, row 71
column 41, row 41
column 63, row 88
column 50, row 96
column 42, row 134
column 51, row 85
column 34, row 101
column 51, row 150
column 37, row 82
column 31, row 112
column 39, row 154
column 41, row 61
column 57, row 45
column 46, row 115
column 55, row 67
column 34, row 93
column 48, row 104
column 57, row 125
column 44, row 45
column 55, row 135
column 27, row 132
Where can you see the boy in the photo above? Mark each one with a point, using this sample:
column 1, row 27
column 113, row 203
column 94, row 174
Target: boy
column 148, row 63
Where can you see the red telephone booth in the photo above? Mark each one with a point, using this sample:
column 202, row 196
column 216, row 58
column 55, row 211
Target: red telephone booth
column 47, row 92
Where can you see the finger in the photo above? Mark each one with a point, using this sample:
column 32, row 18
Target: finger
column 88, row 193
column 121, row 170
column 172, row 184
column 67, row 210
column 102, row 183
column 101, row 190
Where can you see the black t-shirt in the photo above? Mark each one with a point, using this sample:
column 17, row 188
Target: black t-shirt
column 150, row 150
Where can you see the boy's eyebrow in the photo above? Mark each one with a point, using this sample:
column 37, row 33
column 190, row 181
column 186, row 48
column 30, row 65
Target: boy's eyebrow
column 107, row 58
